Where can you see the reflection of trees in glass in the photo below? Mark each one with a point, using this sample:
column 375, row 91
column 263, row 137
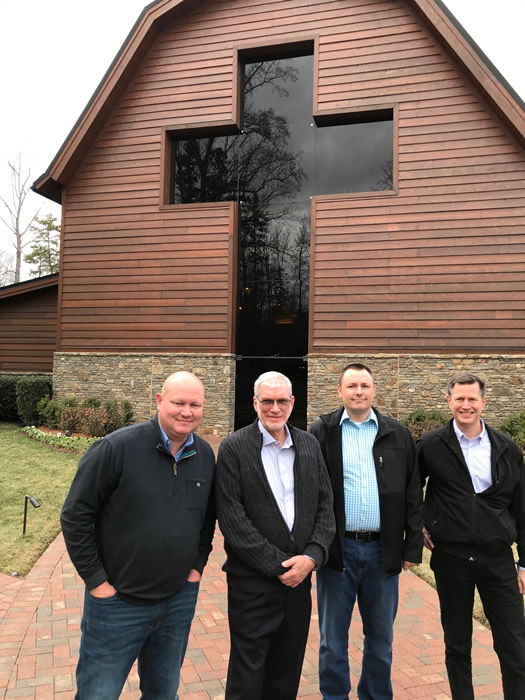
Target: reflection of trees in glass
column 258, row 169
column 387, row 181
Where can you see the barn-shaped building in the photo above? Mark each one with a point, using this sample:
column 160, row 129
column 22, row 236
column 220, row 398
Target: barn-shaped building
column 289, row 185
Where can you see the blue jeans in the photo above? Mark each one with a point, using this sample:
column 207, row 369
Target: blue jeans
column 115, row 633
column 363, row 578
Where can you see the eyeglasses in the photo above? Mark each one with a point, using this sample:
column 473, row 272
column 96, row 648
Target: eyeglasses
column 268, row 403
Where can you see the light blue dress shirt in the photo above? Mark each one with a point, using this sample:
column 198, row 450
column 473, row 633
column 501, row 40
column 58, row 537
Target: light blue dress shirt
column 477, row 457
column 359, row 474
column 278, row 462
column 167, row 443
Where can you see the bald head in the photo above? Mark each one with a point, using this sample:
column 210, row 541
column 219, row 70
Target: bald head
column 180, row 405
column 182, row 378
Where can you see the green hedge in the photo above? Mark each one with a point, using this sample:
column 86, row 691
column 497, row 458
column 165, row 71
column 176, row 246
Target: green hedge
column 29, row 391
column 8, row 410
column 421, row 421
column 515, row 427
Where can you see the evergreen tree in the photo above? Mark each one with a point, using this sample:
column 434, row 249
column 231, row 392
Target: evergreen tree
column 45, row 246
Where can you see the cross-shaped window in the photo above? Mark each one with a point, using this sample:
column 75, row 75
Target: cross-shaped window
column 281, row 158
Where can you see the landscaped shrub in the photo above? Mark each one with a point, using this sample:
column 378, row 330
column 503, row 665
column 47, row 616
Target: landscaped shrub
column 93, row 421
column 114, row 415
column 91, row 402
column 50, row 411
column 8, row 410
column 514, row 426
column 70, row 419
column 421, row 421
column 127, row 412
column 29, row 391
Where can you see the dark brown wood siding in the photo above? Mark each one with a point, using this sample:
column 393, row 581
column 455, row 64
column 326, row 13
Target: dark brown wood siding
column 28, row 331
column 437, row 265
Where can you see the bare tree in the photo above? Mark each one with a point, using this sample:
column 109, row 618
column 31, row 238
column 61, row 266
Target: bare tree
column 19, row 228
column 7, row 274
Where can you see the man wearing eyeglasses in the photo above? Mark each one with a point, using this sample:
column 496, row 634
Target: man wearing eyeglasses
column 275, row 511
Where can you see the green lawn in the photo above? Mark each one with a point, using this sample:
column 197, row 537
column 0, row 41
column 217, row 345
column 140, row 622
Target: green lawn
column 29, row 467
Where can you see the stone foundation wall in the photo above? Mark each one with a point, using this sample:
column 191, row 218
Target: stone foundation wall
column 139, row 376
column 407, row 382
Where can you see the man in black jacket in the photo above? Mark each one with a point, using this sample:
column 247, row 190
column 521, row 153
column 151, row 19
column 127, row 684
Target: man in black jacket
column 274, row 506
column 138, row 524
column 474, row 511
column 378, row 512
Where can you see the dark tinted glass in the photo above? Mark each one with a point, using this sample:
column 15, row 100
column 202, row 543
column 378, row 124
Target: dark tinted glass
column 272, row 168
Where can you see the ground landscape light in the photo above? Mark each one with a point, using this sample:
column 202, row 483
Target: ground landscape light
column 35, row 503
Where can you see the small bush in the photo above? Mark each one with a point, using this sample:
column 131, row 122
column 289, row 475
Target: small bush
column 421, row 421
column 50, row 410
column 127, row 412
column 8, row 410
column 115, row 415
column 29, row 391
column 93, row 421
column 70, row 419
column 91, row 402
column 514, row 426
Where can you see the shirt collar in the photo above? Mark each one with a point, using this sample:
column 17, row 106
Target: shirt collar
column 372, row 416
column 269, row 439
column 167, row 442
column 483, row 436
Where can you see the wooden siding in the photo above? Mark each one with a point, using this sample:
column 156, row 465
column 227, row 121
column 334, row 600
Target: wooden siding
column 156, row 283
column 436, row 266
column 28, row 331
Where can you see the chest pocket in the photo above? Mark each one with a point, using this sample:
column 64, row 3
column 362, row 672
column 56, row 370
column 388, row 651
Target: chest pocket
column 393, row 469
column 196, row 493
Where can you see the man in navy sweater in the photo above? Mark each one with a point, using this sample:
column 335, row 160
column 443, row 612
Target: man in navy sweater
column 138, row 524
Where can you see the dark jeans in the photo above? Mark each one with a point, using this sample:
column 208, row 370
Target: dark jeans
column 115, row 633
column 268, row 633
column 363, row 579
column 496, row 580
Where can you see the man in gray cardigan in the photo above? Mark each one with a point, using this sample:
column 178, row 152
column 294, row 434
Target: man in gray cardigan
column 275, row 511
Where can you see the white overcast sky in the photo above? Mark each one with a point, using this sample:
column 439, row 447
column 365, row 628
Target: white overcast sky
column 53, row 54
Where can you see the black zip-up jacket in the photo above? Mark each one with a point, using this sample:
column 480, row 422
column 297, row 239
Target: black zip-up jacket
column 256, row 536
column 398, row 483
column 461, row 521
column 137, row 518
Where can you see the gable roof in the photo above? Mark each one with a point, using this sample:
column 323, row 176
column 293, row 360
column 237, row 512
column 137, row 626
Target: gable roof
column 438, row 19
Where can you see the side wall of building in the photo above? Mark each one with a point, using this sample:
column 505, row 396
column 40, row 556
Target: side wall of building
column 28, row 331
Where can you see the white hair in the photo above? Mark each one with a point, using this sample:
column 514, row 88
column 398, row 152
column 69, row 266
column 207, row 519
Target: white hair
column 272, row 379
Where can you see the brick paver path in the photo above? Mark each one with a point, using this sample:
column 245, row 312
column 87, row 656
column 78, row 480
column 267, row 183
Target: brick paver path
column 40, row 631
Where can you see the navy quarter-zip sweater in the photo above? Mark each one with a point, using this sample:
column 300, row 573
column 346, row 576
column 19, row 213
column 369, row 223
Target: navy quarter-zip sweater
column 137, row 518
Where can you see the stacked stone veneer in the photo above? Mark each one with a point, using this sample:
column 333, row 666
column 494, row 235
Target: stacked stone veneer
column 138, row 377
column 407, row 382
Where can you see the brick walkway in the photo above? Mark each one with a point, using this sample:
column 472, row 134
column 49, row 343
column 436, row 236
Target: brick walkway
column 40, row 631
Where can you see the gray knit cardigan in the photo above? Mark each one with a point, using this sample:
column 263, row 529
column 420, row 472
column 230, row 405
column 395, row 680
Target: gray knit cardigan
column 256, row 537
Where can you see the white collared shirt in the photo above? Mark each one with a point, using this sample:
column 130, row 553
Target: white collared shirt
column 278, row 462
column 476, row 452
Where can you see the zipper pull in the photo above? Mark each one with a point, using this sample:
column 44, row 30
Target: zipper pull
column 380, row 463
column 174, row 467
